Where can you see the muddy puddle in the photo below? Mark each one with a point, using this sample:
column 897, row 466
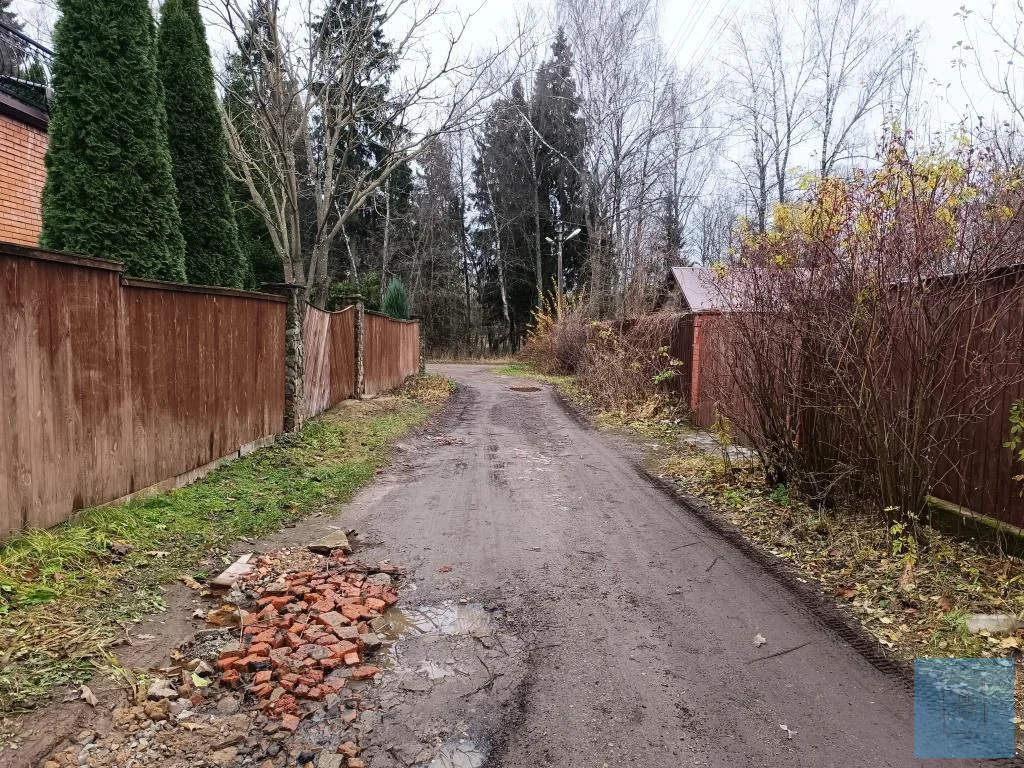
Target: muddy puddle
column 459, row 754
column 471, row 619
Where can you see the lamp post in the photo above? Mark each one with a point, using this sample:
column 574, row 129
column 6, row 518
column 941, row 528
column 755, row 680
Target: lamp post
column 557, row 247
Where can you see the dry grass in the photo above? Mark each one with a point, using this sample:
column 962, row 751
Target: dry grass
column 624, row 367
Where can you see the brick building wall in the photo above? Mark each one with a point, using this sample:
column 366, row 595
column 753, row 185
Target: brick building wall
column 22, row 173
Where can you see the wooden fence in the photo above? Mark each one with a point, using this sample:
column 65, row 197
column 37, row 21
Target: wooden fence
column 973, row 468
column 392, row 351
column 110, row 386
column 329, row 341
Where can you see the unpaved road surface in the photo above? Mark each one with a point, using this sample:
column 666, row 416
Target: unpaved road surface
column 556, row 608
column 635, row 622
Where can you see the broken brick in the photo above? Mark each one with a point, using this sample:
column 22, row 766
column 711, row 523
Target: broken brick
column 269, row 636
column 351, row 659
column 264, row 676
column 230, row 679
column 263, row 690
column 365, row 672
column 349, row 749
column 375, row 605
column 289, row 722
column 332, row 619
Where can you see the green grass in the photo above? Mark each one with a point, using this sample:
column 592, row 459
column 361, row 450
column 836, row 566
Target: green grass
column 66, row 595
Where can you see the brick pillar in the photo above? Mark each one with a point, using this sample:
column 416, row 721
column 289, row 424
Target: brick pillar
column 695, row 365
column 294, row 352
column 360, row 383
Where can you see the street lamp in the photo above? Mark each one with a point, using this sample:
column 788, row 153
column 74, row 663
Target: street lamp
column 557, row 247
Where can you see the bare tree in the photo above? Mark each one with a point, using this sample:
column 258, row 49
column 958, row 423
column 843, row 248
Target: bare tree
column 858, row 52
column 307, row 87
column 647, row 123
column 994, row 44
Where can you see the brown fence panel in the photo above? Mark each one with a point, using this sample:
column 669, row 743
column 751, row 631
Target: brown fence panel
column 392, row 351
column 329, row 342
column 64, row 412
column 206, row 375
column 108, row 386
column 973, row 468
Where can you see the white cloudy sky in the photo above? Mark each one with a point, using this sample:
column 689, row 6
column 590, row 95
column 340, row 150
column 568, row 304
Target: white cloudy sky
column 692, row 30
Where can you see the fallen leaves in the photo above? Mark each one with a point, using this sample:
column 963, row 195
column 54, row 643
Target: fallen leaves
column 227, row 615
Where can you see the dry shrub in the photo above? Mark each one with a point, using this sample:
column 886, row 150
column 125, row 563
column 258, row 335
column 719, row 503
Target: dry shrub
column 628, row 369
column 624, row 366
column 558, row 347
column 879, row 330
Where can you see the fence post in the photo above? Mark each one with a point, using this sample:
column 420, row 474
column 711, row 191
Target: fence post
column 360, row 382
column 423, row 342
column 294, row 352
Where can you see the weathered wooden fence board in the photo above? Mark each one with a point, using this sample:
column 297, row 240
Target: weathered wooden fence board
column 108, row 386
column 329, row 341
column 392, row 351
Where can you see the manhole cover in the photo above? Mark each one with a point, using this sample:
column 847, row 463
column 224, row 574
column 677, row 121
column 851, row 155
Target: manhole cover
column 525, row 389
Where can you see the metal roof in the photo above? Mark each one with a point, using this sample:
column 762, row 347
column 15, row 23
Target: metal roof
column 700, row 289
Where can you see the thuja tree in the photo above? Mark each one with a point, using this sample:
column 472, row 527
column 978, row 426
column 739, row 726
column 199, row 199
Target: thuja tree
column 395, row 303
column 198, row 148
column 109, row 190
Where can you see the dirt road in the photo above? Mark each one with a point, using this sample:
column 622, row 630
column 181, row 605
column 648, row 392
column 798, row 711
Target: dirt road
column 636, row 622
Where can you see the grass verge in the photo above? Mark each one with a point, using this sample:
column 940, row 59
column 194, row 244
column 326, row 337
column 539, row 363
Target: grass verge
column 67, row 593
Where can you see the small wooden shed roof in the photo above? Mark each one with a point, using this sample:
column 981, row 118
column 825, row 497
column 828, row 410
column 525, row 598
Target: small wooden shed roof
column 699, row 289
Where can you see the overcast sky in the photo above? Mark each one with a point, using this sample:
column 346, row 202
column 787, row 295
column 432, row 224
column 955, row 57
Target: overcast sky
column 693, row 29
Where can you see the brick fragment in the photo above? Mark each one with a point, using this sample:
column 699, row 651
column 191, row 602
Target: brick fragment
column 375, row 604
column 349, row 749
column 365, row 672
column 289, row 722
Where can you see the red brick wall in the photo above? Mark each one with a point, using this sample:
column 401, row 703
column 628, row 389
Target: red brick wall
column 22, row 173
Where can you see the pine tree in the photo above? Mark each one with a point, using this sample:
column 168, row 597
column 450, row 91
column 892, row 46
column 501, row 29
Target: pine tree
column 109, row 189
column 396, row 303
column 198, row 149
column 8, row 17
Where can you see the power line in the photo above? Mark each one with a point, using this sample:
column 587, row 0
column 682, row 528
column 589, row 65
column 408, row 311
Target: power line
column 681, row 39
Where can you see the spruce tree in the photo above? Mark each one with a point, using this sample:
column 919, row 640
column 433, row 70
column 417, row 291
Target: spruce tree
column 109, row 190
column 198, row 149
column 396, row 303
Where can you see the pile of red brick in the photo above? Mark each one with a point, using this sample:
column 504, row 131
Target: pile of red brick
column 310, row 635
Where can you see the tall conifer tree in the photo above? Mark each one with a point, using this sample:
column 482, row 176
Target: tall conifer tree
column 198, row 148
column 109, row 189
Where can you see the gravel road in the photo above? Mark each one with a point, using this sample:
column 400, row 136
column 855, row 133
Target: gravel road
column 637, row 620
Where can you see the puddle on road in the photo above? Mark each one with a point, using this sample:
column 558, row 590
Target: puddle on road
column 458, row 754
column 445, row 619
